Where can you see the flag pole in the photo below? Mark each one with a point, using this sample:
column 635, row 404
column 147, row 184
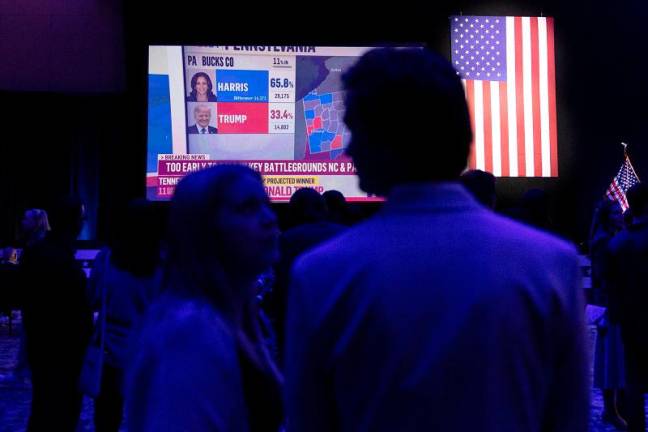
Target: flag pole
column 625, row 155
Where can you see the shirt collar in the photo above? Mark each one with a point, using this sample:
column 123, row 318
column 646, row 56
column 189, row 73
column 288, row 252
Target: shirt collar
column 430, row 196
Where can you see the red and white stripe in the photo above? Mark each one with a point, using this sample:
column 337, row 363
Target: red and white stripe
column 514, row 121
column 615, row 193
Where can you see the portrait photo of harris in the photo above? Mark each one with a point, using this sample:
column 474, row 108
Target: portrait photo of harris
column 202, row 115
column 202, row 89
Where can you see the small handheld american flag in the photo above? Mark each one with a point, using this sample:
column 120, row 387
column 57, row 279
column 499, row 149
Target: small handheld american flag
column 624, row 180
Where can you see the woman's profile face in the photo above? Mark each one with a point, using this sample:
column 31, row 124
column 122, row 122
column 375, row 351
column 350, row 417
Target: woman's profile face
column 247, row 228
column 201, row 86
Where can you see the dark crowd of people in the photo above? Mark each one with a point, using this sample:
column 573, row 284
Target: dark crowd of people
column 618, row 248
column 435, row 314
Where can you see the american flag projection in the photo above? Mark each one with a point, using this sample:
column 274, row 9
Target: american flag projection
column 508, row 70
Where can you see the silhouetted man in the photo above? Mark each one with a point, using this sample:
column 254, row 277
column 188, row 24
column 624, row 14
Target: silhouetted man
column 436, row 314
column 57, row 321
column 310, row 228
column 628, row 298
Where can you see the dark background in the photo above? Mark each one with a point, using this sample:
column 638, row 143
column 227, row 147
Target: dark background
column 73, row 88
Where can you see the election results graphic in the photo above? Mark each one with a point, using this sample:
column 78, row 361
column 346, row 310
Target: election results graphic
column 278, row 109
column 254, row 94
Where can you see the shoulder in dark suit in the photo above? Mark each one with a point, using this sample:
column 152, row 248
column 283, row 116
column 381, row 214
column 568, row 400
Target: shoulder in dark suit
column 193, row 129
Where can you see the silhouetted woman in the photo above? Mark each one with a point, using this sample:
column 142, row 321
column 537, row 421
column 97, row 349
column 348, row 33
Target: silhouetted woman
column 128, row 277
column 608, row 361
column 201, row 362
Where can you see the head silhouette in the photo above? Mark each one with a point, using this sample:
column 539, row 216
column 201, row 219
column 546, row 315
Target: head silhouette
column 66, row 217
column 138, row 234
column 637, row 197
column 481, row 185
column 307, row 205
column 221, row 228
column 337, row 206
column 408, row 118
column 34, row 225
column 607, row 220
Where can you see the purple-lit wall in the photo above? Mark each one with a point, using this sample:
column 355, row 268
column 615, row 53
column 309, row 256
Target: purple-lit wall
column 61, row 46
